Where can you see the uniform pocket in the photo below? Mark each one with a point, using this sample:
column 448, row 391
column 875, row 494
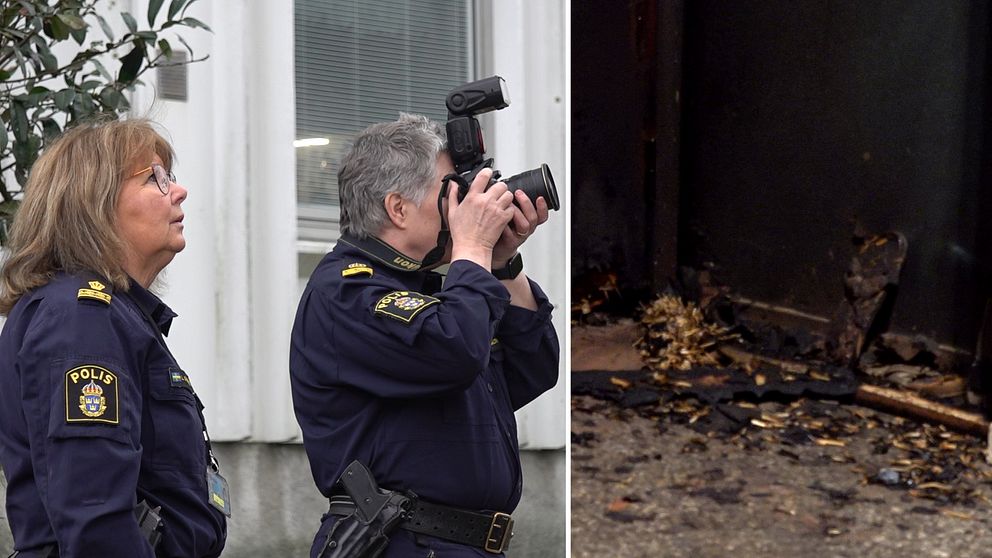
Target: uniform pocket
column 176, row 437
column 474, row 406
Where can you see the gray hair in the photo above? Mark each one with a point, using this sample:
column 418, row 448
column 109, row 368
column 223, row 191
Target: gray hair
column 399, row 157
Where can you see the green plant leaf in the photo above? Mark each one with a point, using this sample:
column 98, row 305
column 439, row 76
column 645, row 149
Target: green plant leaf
column 72, row 20
column 8, row 15
column 37, row 23
column 63, row 99
column 83, row 105
column 28, row 7
column 21, row 175
column 188, row 4
column 78, row 35
column 56, row 29
column 9, row 207
column 185, row 44
column 175, row 6
column 19, row 124
column 48, row 59
column 153, row 7
column 166, row 48
column 26, row 151
column 130, row 64
column 101, row 70
column 36, row 96
column 111, row 98
column 132, row 25
column 193, row 22
column 106, row 27
column 34, row 105
column 50, row 129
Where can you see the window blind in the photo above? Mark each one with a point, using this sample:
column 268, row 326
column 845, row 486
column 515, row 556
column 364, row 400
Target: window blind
column 360, row 62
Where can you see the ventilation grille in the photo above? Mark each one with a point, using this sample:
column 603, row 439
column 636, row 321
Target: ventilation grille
column 172, row 80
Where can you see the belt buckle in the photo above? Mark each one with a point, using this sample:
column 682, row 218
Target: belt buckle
column 500, row 533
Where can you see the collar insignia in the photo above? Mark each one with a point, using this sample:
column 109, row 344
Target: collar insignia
column 383, row 252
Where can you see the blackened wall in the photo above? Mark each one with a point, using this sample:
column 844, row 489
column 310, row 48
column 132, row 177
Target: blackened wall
column 803, row 119
column 799, row 120
column 610, row 95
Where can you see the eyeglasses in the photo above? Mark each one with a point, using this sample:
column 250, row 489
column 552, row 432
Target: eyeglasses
column 163, row 178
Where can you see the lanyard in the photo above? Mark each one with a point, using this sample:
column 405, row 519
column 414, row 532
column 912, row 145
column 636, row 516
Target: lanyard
column 211, row 460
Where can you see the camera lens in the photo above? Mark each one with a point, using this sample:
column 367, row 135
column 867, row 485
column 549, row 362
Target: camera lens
column 536, row 183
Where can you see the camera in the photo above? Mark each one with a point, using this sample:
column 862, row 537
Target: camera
column 467, row 148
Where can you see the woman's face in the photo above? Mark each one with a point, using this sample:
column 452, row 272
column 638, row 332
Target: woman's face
column 151, row 223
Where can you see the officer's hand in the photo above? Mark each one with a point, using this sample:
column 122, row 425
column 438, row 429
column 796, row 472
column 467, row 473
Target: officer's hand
column 527, row 216
column 477, row 221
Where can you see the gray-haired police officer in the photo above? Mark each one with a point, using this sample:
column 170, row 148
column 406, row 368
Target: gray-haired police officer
column 416, row 380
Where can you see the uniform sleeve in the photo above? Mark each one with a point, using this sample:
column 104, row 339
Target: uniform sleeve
column 84, row 407
column 391, row 342
column 531, row 350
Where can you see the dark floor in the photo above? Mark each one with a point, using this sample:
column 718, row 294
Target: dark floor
column 647, row 483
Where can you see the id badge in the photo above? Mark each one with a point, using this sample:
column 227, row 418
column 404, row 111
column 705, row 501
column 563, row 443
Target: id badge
column 219, row 494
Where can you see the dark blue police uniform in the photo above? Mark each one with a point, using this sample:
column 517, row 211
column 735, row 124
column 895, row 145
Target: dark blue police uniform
column 98, row 416
column 419, row 383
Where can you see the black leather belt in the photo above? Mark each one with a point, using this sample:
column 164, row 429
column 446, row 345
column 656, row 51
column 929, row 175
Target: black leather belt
column 47, row 551
column 490, row 531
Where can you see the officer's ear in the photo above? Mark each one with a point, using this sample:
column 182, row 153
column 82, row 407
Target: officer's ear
column 398, row 210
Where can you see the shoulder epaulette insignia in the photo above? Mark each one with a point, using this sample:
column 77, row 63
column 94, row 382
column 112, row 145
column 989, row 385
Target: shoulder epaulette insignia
column 356, row 269
column 404, row 305
column 94, row 290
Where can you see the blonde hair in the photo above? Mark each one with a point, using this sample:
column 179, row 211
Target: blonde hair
column 66, row 221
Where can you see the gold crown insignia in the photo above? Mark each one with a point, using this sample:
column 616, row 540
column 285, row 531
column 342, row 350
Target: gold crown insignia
column 97, row 286
column 92, row 389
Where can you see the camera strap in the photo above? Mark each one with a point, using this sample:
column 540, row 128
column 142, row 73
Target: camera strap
column 444, row 235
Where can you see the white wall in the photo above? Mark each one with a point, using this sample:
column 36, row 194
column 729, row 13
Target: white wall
column 528, row 50
column 236, row 285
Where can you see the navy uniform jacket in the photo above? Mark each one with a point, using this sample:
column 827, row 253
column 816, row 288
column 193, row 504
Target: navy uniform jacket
column 418, row 385
column 97, row 416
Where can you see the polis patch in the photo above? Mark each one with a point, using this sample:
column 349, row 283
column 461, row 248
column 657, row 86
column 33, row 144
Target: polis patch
column 404, row 305
column 91, row 395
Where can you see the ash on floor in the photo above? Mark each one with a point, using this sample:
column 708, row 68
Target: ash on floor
column 650, row 482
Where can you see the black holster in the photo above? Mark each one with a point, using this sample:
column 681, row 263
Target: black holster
column 149, row 523
column 364, row 533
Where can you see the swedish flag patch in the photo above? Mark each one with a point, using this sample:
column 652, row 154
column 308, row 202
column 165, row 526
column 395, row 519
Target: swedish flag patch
column 404, row 305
